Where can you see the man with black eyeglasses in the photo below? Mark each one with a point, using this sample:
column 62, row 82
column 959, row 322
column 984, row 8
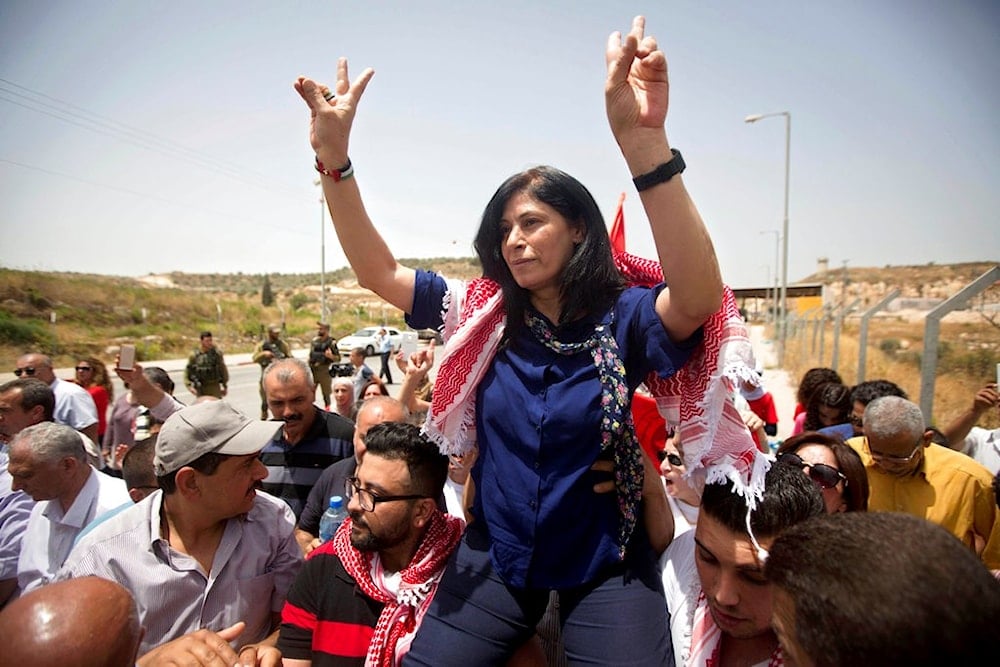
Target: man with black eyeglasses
column 364, row 592
column 908, row 473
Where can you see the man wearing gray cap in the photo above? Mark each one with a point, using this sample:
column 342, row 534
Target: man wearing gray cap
column 207, row 550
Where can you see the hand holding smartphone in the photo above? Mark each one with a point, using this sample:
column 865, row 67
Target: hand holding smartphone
column 126, row 357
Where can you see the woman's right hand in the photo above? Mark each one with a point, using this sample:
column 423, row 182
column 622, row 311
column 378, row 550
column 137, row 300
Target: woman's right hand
column 331, row 121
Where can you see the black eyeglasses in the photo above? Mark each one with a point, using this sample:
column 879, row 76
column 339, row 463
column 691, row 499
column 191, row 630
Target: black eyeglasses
column 369, row 500
column 30, row 370
column 856, row 421
column 669, row 456
column 80, row 369
column 879, row 457
column 825, row 476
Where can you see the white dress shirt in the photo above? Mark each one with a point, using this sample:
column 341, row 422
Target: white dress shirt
column 51, row 532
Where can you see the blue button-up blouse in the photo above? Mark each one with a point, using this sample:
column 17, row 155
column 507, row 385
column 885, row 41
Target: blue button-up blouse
column 538, row 428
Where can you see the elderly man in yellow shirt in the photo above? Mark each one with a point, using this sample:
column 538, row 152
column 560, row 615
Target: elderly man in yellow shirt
column 907, row 473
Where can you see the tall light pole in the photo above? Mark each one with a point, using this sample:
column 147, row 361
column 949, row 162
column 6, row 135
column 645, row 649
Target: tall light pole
column 783, row 323
column 322, row 252
column 777, row 242
column 767, row 285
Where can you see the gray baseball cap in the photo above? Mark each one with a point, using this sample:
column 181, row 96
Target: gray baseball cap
column 212, row 427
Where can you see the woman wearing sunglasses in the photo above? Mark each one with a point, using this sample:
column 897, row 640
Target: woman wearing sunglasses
column 92, row 375
column 834, row 467
column 683, row 495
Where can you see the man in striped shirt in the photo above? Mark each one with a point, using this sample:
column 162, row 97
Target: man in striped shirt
column 310, row 438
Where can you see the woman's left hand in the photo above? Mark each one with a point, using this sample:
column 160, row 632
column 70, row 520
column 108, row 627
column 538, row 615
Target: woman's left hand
column 636, row 91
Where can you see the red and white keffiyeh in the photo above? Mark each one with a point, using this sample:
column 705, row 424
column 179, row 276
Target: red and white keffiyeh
column 706, row 639
column 697, row 399
column 403, row 611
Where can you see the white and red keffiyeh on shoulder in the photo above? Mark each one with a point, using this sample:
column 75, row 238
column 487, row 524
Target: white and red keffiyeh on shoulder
column 697, row 399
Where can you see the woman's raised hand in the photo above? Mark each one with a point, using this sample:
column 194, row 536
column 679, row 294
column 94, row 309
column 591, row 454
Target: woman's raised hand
column 330, row 125
column 636, row 91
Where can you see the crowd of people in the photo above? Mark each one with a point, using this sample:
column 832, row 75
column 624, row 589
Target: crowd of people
column 541, row 501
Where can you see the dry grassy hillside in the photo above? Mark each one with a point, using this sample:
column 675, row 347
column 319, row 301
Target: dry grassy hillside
column 164, row 313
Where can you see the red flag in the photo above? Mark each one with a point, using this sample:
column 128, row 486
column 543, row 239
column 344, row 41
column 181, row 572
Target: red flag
column 617, row 233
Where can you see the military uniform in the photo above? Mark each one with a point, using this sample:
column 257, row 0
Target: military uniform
column 206, row 373
column 280, row 350
column 319, row 363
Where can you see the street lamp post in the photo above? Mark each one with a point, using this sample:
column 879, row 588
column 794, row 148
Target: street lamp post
column 783, row 324
column 777, row 243
column 767, row 285
column 322, row 253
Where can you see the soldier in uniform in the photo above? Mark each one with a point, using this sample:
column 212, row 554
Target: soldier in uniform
column 206, row 373
column 270, row 349
column 322, row 352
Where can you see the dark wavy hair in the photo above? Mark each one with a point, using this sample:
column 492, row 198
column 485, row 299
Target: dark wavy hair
column 590, row 280
column 811, row 381
column 831, row 395
column 866, row 392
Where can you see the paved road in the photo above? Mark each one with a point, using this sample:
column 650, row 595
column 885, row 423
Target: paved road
column 245, row 375
column 776, row 380
column 244, row 378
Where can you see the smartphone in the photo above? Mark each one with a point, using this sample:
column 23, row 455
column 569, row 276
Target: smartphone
column 126, row 357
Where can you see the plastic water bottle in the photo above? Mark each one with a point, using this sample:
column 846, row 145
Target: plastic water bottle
column 332, row 518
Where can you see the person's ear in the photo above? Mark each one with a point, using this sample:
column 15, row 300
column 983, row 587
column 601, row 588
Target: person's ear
column 423, row 512
column 68, row 464
column 188, row 481
column 37, row 414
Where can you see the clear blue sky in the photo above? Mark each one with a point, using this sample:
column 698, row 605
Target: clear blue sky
column 140, row 137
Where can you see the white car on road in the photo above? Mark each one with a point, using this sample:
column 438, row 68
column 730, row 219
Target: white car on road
column 365, row 338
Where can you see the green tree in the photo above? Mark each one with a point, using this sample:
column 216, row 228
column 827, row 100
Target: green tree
column 266, row 295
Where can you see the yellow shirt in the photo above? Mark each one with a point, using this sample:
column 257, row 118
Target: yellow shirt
column 949, row 489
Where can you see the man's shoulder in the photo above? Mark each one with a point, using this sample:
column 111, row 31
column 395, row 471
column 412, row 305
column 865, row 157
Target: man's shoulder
column 128, row 527
column 326, row 563
column 944, row 460
column 857, row 443
column 680, row 551
column 334, row 475
column 111, row 489
column 266, row 506
column 979, row 437
column 335, row 425
column 67, row 388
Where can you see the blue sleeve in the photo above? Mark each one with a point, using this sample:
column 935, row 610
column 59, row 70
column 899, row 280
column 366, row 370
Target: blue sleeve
column 842, row 431
column 429, row 290
column 646, row 345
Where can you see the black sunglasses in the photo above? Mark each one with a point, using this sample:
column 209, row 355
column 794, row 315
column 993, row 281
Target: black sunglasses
column 671, row 457
column 825, row 476
column 84, row 368
column 26, row 371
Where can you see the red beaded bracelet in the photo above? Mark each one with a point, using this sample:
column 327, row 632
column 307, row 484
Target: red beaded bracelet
column 336, row 174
